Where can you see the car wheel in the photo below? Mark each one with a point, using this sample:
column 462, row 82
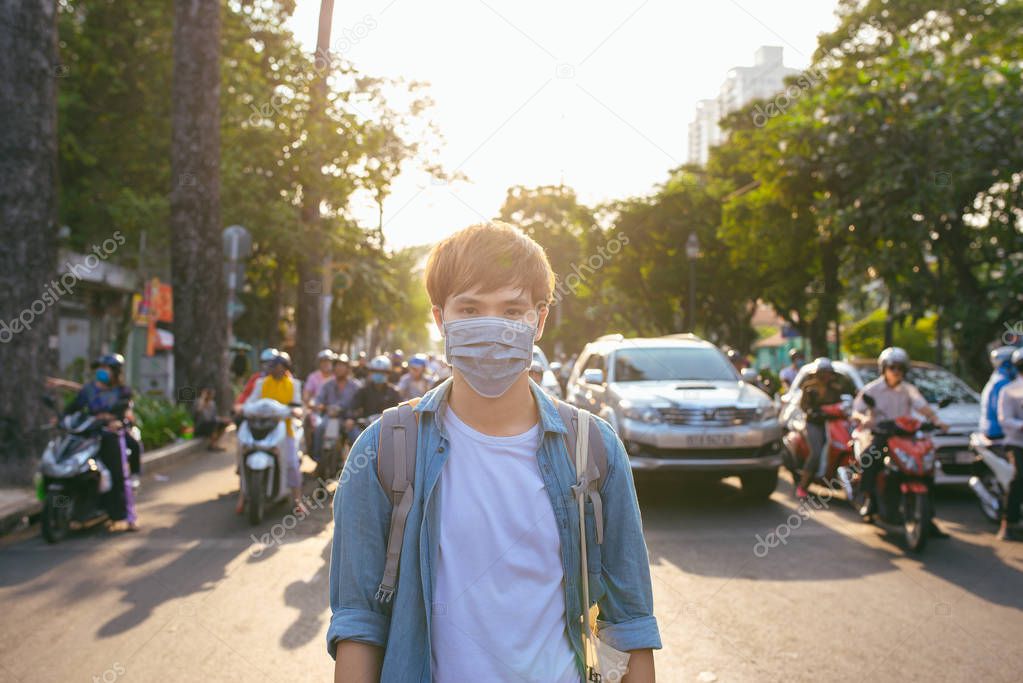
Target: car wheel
column 759, row 485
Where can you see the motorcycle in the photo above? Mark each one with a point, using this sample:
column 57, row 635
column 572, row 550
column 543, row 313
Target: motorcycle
column 72, row 479
column 902, row 489
column 263, row 469
column 837, row 453
column 334, row 442
column 994, row 474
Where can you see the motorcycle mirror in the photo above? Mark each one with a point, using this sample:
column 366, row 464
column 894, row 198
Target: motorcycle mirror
column 869, row 400
column 945, row 402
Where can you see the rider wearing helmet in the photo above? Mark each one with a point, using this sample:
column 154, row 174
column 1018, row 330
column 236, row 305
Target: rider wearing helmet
column 265, row 356
column 311, row 388
column 893, row 397
column 109, row 400
column 1002, row 373
column 822, row 386
column 788, row 373
column 378, row 394
column 360, row 371
column 415, row 382
column 1010, row 417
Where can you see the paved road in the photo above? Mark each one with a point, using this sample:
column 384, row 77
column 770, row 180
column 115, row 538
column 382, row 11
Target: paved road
column 193, row 598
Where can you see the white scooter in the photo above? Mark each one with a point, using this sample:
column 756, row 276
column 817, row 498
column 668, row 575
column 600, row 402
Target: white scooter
column 263, row 467
column 994, row 473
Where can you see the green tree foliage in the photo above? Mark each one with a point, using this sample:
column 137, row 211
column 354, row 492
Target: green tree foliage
column 865, row 338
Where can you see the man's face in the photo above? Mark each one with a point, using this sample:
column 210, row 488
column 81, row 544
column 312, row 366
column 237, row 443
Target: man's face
column 893, row 374
column 512, row 303
column 325, row 366
column 341, row 370
column 277, row 370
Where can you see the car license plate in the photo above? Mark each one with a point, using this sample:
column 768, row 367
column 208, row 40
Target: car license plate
column 333, row 428
column 710, row 440
column 965, row 457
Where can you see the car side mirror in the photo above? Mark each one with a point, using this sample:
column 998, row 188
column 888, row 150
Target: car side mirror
column 748, row 375
column 593, row 376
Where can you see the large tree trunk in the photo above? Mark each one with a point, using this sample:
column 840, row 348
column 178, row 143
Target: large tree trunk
column 310, row 273
column 29, row 70
column 200, row 304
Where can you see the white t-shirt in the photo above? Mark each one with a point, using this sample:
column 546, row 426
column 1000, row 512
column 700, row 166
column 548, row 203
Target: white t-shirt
column 499, row 603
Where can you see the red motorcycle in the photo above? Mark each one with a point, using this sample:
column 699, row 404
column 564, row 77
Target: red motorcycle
column 903, row 487
column 837, row 445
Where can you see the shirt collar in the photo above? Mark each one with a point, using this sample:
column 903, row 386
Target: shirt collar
column 436, row 401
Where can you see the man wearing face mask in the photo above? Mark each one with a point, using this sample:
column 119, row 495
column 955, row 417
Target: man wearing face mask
column 376, row 394
column 488, row 583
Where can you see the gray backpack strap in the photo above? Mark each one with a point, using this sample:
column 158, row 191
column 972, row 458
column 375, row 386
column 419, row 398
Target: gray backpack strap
column 597, row 468
column 396, row 470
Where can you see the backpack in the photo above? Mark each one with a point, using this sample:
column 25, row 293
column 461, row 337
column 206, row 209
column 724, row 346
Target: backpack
column 396, row 471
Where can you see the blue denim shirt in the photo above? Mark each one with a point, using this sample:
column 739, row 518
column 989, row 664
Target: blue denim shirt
column 619, row 568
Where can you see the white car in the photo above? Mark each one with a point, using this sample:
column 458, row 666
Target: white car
column 938, row 385
column 550, row 382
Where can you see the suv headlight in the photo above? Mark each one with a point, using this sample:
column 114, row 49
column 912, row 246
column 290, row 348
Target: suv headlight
column 642, row 413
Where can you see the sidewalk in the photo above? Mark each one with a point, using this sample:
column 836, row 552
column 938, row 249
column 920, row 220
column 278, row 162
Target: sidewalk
column 18, row 506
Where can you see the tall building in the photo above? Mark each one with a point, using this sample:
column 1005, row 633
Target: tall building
column 742, row 85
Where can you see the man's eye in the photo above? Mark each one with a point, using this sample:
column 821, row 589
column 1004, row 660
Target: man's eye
column 468, row 310
column 513, row 312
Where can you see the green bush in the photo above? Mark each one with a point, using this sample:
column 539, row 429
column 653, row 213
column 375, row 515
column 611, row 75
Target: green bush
column 161, row 421
column 865, row 338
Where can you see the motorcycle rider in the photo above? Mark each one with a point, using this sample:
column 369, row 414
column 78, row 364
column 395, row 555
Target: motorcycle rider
column 279, row 385
column 377, row 395
column 415, row 382
column 265, row 356
column 788, row 373
column 1010, row 417
column 822, row 386
column 1003, row 372
column 317, row 378
column 109, row 401
column 338, row 391
column 893, row 397
column 360, row 371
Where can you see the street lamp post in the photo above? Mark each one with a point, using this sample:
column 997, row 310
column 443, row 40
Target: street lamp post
column 692, row 253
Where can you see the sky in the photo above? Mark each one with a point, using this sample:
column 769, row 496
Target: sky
column 595, row 95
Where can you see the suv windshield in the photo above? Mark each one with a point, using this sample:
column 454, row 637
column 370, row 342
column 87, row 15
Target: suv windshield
column 934, row 383
column 638, row 365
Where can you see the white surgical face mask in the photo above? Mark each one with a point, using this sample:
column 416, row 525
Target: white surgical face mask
column 490, row 352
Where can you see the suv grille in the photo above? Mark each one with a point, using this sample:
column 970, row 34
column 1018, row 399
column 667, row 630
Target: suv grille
column 725, row 416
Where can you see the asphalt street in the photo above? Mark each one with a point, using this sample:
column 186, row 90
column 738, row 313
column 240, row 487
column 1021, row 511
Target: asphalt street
column 193, row 597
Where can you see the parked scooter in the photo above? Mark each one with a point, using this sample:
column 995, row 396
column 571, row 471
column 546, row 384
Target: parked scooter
column 994, row 474
column 903, row 487
column 263, row 469
column 837, row 456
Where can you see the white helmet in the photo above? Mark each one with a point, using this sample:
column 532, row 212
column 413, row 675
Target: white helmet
column 269, row 354
column 1017, row 359
column 380, row 364
column 325, row 354
column 1001, row 355
column 893, row 355
column 823, row 364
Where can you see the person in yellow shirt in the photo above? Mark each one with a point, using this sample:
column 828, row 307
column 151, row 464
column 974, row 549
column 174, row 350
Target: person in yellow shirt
column 281, row 386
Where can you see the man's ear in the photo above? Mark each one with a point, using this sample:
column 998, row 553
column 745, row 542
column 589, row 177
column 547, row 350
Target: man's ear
column 541, row 318
column 438, row 318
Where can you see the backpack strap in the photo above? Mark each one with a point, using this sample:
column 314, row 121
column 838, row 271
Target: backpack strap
column 396, row 470
column 596, row 468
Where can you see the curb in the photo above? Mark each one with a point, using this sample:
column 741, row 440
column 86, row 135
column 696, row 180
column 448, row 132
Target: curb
column 157, row 460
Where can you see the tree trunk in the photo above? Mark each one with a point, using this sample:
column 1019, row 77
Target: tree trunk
column 29, row 70
column 200, row 303
column 310, row 276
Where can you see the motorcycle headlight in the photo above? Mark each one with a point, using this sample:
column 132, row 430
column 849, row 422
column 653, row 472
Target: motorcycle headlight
column 642, row 413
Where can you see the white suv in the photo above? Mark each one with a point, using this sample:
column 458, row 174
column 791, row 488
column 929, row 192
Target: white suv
column 678, row 404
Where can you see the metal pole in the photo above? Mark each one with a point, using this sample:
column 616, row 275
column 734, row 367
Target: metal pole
column 691, row 313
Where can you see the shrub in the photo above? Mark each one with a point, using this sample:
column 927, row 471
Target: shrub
column 161, row 421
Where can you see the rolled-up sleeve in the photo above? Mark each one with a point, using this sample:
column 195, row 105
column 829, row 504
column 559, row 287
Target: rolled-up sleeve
column 626, row 620
column 361, row 520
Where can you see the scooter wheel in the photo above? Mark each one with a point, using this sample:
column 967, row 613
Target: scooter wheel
column 56, row 517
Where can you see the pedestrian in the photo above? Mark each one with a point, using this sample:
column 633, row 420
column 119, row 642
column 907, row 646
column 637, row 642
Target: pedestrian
column 490, row 589
column 1010, row 417
column 207, row 423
